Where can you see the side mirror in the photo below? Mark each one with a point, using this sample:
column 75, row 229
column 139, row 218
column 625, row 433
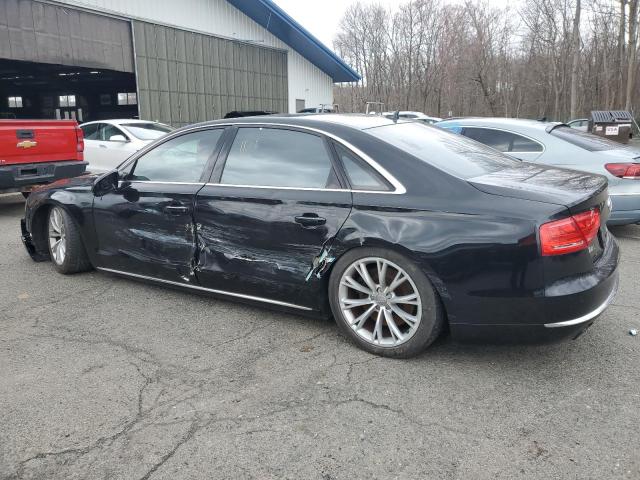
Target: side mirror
column 118, row 138
column 105, row 183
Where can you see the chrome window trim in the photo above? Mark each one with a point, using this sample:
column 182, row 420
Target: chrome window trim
column 399, row 188
column 632, row 194
column 120, row 182
column 204, row 289
column 544, row 147
column 589, row 316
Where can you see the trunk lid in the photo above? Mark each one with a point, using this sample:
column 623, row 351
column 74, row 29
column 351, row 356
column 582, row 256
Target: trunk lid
column 575, row 190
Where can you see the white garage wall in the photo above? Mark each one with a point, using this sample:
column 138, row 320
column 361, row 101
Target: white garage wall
column 218, row 17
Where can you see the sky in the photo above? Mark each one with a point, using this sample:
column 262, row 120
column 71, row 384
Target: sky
column 321, row 17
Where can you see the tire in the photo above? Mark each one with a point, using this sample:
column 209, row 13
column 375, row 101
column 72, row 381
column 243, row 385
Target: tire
column 66, row 249
column 357, row 310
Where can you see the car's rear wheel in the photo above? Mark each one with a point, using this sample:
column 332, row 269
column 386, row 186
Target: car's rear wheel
column 65, row 245
column 385, row 303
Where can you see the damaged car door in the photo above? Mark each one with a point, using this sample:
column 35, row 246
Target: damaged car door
column 268, row 217
column 145, row 226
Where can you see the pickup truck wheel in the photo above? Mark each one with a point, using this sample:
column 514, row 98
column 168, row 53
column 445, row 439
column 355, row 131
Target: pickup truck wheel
column 65, row 245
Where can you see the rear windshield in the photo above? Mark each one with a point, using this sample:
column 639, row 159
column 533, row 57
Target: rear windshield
column 585, row 140
column 147, row 131
column 453, row 153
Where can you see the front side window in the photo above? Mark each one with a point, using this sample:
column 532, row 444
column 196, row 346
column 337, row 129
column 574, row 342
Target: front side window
column 361, row 176
column 181, row 159
column 107, row 131
column 501, row 140
column 147, row 131
column 278, row 158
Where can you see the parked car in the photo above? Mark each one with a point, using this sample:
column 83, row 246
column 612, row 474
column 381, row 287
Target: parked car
column 581, row 124
column 559, row 145
column 397, row 229
column 36, row 152
column 418, row 116
column 108, row 143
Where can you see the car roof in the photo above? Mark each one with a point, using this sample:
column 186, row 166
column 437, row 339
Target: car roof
column 359, row 121
column 501, row 122
column 119, row 121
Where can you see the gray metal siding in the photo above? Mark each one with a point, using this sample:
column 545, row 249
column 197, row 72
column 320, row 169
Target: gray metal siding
column 40, row 32
column 186, row 77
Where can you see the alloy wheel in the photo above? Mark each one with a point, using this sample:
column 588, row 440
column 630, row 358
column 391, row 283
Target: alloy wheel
column 57, row 236
column 380, row 301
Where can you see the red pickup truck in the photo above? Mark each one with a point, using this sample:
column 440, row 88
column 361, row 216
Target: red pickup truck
column 35, row 152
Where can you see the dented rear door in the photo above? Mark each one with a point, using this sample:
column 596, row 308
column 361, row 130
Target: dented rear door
column 267, row 220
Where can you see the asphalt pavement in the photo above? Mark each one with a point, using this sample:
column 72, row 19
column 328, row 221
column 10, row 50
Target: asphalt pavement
column 106, row 378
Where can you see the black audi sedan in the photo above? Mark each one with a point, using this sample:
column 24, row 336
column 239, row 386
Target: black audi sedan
column 397, row 229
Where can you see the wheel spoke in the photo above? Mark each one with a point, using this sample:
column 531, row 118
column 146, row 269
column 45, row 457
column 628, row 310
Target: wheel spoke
column 406, row 317
column 411, row 299
column 393, row 327
column 364, row 274
column 359, row 322
column 352, row 283
column 399, row 279
column 355, row 302
column 377, row 331
column 382, row 272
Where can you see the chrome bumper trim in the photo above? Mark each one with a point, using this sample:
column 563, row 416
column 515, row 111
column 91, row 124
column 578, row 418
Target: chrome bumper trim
column 588, row 316
column 203, row 289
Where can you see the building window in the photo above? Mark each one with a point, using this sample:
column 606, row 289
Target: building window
column 67, row 100
column 15, row 102
column 127, row 98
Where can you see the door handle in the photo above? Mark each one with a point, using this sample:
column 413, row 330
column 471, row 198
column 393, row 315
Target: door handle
column 310, row 220
column 176, row 209
column 103, row 146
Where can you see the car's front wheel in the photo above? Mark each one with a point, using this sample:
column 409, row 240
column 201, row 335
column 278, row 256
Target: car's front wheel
column 65, row 245
column 385, row 303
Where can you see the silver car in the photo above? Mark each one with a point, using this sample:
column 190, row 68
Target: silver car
column 559, row 145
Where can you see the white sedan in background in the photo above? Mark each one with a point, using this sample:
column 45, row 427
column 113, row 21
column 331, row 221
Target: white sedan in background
column 108, row 143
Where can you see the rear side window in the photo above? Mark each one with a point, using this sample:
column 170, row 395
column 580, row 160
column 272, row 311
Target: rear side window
column 447, row 151
column 90, row 132
column 501, row 140
column 361, row 175
column 584, row 140
column 276, row 157
column 181, row 159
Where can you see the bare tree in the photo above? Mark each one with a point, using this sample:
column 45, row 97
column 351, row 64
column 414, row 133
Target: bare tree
column 576, row 60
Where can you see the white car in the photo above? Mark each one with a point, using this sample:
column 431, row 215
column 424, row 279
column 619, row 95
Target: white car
column 581, row 124
column 419, row 116
column 108, row 143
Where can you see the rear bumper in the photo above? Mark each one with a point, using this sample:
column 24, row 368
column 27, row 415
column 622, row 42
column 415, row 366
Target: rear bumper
column 25, row 175
column 626, row 209
column 565, row 311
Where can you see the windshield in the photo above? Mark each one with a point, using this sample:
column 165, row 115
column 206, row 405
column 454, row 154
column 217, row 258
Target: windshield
column 585, row 140
column 147, row 131
column 447, row 151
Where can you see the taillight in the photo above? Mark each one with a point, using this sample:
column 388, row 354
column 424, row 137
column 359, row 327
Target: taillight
column 79, row 139
column 570, row 234
column 624, row 170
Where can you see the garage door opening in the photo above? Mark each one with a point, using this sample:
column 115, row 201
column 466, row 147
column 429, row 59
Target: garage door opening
column 48, row 91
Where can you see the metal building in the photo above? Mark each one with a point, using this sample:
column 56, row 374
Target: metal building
column 175, row 61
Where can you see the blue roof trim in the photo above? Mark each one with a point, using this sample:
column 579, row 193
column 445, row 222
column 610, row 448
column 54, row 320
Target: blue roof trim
column 277, row 22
